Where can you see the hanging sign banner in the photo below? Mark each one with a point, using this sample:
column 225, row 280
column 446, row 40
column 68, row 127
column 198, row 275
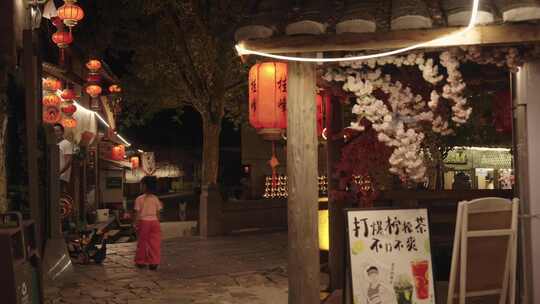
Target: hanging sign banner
column 390, row 256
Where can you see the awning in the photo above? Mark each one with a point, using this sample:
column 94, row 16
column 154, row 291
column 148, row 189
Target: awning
column 117, row 163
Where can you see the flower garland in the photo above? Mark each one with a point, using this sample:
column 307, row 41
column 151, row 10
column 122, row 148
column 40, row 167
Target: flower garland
column 402, row 119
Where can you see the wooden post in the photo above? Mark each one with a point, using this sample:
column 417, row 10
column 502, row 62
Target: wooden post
column 302, row 145
column 527, row 142
column 84, row 189
column 336, row 220
column 54, row 191
column 32, row 100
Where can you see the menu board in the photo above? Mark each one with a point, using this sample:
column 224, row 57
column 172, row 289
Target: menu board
column 390, row 256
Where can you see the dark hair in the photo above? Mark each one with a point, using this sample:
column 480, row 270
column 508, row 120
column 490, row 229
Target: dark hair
column 150, row 183
column 372, row 268
column 59, row 126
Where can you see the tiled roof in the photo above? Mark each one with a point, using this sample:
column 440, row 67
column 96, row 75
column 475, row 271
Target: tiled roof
column 271, row 18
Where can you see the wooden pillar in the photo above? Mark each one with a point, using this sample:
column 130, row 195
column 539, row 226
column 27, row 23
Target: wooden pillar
column 527, row 141
column 32, row 82
column 302, row 145
column 336, row 221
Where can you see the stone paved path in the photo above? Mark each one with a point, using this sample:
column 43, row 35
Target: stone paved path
column 229, row 270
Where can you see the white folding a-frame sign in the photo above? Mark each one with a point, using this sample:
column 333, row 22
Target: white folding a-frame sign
column 485, row 251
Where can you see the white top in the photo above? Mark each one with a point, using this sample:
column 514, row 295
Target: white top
column 66, row 148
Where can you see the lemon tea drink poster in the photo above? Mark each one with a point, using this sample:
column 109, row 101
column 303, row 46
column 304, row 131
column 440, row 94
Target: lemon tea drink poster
column 390, row 256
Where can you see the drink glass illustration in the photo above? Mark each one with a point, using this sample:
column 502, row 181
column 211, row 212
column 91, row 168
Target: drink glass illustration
column 421, row 278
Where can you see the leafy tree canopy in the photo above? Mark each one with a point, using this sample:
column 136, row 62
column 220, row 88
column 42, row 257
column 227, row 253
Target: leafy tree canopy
column 175, row 54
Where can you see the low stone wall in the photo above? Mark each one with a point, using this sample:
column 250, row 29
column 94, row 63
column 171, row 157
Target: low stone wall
column 254, row 214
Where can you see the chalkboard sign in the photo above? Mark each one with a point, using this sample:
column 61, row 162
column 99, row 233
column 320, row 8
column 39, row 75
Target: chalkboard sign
column 113, row 182
column 390, row 257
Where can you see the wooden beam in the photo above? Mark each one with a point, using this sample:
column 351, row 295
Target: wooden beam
column 480, row 35
column 302, row 162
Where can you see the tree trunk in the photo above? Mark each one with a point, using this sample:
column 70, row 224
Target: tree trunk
column 210, row 159
column 210, row 200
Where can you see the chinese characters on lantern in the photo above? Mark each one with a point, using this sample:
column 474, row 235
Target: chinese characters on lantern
column 390, row 256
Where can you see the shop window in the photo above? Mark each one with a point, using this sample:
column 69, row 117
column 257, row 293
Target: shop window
column 485, row 178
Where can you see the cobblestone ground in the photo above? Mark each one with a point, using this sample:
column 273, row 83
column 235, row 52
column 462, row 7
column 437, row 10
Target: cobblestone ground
column 229, row 270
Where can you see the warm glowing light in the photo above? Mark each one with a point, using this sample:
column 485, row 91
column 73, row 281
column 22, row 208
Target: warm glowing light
column 69, row 123
column 51, row 115
column 472, row 22
column 93, row 90
column 134, row 162
column 62, row 38
column 93, row 65
column 68, row 94
column 70, row 13
column 115, row 88
column 51, row 100
column 69, row 110
column 51, row 84
column 482, row 149
column 324, row 231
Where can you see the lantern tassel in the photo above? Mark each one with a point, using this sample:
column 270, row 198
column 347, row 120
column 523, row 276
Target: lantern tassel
column 274, row 162
column 61, row 59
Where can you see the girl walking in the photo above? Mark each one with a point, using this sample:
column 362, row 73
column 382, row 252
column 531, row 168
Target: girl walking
column 147, row 208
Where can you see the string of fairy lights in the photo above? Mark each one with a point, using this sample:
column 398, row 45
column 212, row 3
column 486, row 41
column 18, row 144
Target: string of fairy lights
column 242, row 50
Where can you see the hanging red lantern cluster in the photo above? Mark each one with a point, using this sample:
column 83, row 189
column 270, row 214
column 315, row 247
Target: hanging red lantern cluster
column 94, row 78
column 70, row 13
column 51, row 101
column 118, row 152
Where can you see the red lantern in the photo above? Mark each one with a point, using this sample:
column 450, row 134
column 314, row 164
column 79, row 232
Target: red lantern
column 69, row 123
column 115, row 88
column 52, row 84
column 93, row 78
column 69, row 110
column 268, row 99
column 70, row 13
column 68, row 94
column 93, row 90
column 134, row 162
column 62, row 38
column 118, row 152
column 322, row 99
column 51, row 100
column 93, row 65
column 51, row 115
